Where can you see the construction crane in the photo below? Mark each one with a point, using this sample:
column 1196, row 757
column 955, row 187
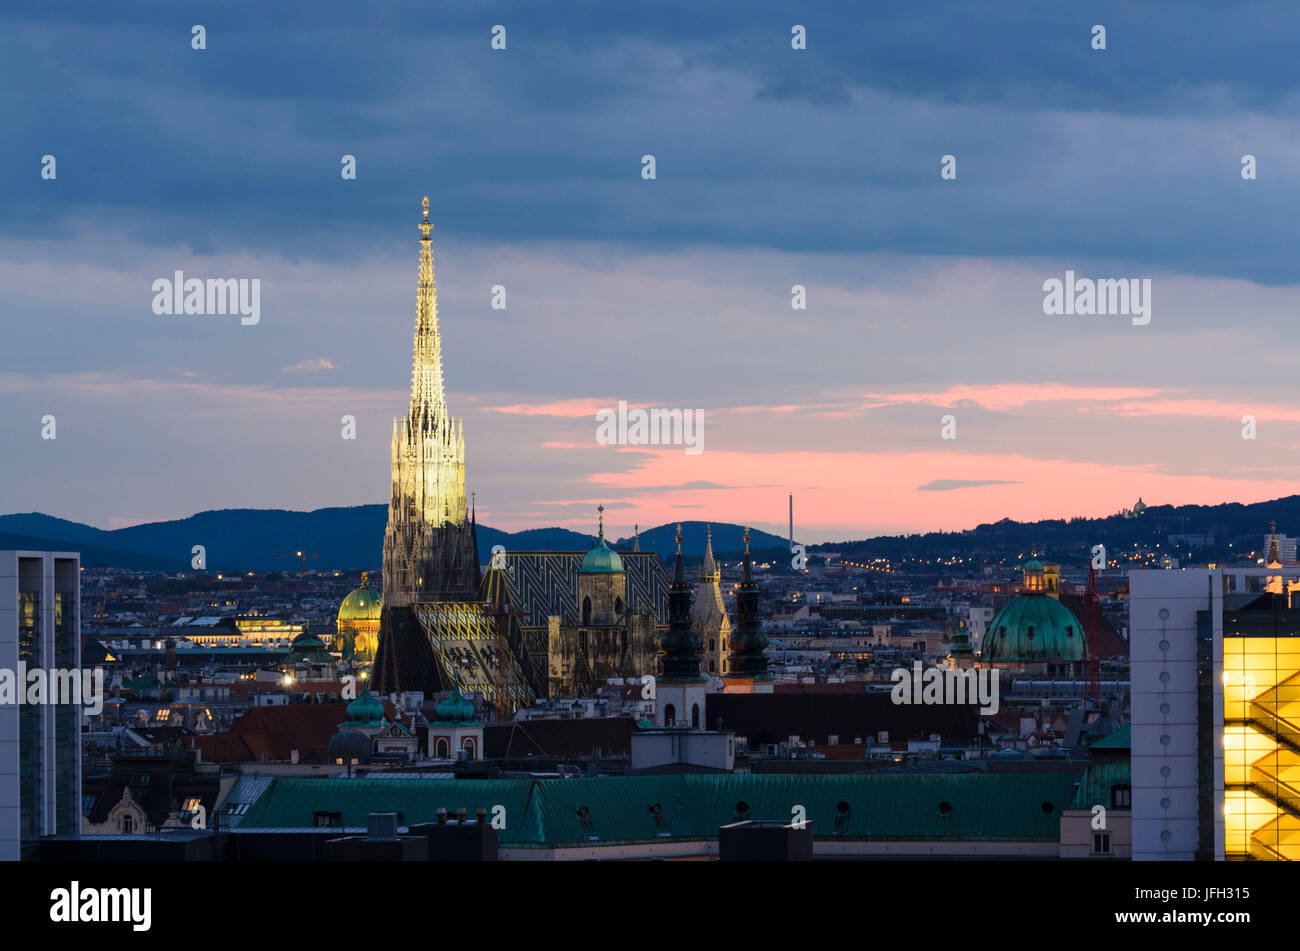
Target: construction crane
column 301, row 556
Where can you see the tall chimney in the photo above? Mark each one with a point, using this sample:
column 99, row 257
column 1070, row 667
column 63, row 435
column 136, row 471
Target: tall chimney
column 792, row 521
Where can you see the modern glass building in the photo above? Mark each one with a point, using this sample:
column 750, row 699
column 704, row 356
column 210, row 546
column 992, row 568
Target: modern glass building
column 40, row 743
column 1215, row 659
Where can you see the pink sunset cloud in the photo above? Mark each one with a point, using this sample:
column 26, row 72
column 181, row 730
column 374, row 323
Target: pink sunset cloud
column 843, row 495
column 567, row 408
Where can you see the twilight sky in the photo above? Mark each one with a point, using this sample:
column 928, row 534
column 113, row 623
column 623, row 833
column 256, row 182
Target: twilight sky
column 775, row 167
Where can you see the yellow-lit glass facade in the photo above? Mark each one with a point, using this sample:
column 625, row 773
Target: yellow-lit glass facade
column 1261, row 747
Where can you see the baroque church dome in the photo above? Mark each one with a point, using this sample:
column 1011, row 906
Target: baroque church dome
column 362, row 604
column 1033, row 626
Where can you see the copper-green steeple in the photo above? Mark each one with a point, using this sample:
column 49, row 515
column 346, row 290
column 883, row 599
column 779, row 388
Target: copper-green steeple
column 602, row 559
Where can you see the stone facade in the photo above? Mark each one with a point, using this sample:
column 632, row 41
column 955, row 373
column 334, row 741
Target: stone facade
column 606, row 639
column 709, row 618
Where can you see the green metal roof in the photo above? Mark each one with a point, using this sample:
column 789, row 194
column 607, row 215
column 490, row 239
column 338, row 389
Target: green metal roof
column 1099, row 780
column 1033, row 627
column 1119, row 740
column 546, row 813
column 601, row 560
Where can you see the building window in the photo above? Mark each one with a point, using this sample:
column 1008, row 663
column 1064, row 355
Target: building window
column 670, row 715
column 586, row 611
column 468, row 744
column 618, row 605
column 695, row 716
column 128, row 825
column 1121, row 797
column 1101, row 843
column 442, row 748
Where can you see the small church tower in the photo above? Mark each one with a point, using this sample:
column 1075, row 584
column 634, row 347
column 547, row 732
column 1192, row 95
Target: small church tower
column 602, row 583
column 680, row 688
column 747, row 663
column 709, row 615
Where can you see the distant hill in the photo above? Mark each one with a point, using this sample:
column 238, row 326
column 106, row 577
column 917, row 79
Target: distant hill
column 91, row 555
column 1236, row 529
column 728, row 540
column 341, row 538
column 350, row 538
column 233, row 538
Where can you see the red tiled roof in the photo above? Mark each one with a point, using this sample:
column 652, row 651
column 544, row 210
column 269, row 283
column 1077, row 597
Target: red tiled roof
column 272, row 733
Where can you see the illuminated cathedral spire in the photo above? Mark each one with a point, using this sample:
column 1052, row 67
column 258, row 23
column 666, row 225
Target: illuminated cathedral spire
column 427, row 398
column 429, row 444
column 430, row 550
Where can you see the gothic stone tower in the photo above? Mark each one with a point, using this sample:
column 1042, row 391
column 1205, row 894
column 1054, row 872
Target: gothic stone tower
column 680, row 687
column 609, row 638
column 747, row 663
column 429, row 547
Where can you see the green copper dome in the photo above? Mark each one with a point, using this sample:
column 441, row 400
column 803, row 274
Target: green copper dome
column 307, row 648
column 455, row 710
column 1033, row 627
column 602, row 559
column 366, row 708
column 361, row 605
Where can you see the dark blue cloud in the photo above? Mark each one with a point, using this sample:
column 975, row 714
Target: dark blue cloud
column 1130, row 154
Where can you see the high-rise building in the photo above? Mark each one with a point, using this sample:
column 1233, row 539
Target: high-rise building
column 40, row 739
column 430, row 551
column 1215, row 674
